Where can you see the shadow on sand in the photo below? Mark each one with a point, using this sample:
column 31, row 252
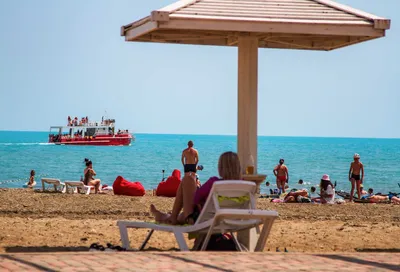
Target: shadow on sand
column 358, row 261
column 383, row 250
column 41, row 249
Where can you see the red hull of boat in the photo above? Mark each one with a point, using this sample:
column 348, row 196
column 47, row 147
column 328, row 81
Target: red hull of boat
column 98, row 140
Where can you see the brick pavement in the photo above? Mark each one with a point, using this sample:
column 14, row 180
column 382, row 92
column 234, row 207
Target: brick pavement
column 199, row 261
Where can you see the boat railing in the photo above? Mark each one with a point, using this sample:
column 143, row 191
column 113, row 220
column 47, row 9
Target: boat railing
column 92, row 124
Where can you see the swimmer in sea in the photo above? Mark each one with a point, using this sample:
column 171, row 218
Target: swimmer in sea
column 356, row 176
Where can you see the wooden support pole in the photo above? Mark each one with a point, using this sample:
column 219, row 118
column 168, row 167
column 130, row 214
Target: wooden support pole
column 247, row 115
column 247, row 99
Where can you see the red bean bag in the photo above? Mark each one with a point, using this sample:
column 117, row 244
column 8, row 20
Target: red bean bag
column 169, row 187
column 123, row 187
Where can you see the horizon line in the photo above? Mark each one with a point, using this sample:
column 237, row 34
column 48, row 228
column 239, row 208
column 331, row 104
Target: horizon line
column 207, row 134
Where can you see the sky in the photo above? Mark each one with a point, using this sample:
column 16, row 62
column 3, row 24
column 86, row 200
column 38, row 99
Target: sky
column 60, row 58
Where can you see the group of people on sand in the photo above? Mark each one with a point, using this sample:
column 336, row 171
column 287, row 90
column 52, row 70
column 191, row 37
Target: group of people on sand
column 327, row 189
column 88, row 179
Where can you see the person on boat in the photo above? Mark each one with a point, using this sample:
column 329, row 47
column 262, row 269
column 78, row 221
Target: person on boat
column 281, row 173
column 69, row 121
column 190, row 159
column 356, row 176
column 89, row 173
column 191, row 199
column 31, row 183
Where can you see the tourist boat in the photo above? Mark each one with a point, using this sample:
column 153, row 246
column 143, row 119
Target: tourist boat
column 89, row 133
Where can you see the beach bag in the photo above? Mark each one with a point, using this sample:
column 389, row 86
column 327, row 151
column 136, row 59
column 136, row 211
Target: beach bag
column 220, row 242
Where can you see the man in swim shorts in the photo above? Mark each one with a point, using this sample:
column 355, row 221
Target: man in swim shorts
column 190, row 159
column 282, row 175
column 356, row 176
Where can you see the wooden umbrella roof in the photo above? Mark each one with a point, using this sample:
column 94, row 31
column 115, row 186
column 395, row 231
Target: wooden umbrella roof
column 290, row 24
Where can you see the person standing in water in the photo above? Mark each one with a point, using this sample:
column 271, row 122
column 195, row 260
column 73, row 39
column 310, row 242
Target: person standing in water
column 356, row 176
column 31, row 183
column 281, row 173
column 190, row 159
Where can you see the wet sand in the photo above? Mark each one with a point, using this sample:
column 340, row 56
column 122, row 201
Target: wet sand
column 35, row 221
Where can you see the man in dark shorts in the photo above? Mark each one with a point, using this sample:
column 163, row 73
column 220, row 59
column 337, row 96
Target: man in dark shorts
column 356, row 176
column 190, row 159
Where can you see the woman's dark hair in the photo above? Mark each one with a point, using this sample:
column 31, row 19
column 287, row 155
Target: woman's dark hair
column 32, row 172
column 325, row 183
column 87, row 162
column 313, row 189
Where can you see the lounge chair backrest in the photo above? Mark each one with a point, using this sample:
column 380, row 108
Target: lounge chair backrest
column 51, row 180
column 228, row 194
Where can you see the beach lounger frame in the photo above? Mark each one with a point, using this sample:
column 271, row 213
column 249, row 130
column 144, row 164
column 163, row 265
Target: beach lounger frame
column 78, row 184
column 224, row 212
column 55, row 182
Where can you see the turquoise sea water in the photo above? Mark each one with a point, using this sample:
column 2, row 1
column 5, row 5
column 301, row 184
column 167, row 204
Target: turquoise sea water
column 306, row 158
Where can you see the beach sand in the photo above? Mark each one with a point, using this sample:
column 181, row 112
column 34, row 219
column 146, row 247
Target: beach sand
column 35, row 221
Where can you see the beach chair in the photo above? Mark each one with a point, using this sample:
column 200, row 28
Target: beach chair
column 55, row 182
column 230, row 208
column 75, row 185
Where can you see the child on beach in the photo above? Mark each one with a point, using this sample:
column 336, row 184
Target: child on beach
column 356, row 176
column 31, row 183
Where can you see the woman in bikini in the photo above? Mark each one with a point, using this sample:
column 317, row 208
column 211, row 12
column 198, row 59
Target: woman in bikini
column 89, row 173
column 31, row 183
column 191, row 199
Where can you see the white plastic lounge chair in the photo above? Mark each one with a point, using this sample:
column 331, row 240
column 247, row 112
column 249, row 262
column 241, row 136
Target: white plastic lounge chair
column 230, row 207
column 55, row 182
column 78, row 185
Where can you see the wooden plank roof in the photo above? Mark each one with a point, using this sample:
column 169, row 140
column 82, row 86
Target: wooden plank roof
column 296, row 24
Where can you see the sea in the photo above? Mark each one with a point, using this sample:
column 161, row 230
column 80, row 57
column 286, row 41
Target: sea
column 307, row 158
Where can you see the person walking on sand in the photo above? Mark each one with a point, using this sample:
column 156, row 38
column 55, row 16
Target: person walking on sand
column 190, row 159
column 356, row 176
column 281, row 173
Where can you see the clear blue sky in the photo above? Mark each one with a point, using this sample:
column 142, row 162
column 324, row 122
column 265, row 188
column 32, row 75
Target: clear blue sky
column 60, row 58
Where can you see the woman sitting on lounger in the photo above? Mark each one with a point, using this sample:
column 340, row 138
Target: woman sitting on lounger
column 189, row 198
column 89, row 174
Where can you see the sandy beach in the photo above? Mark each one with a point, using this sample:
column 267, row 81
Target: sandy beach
column 36, row 221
